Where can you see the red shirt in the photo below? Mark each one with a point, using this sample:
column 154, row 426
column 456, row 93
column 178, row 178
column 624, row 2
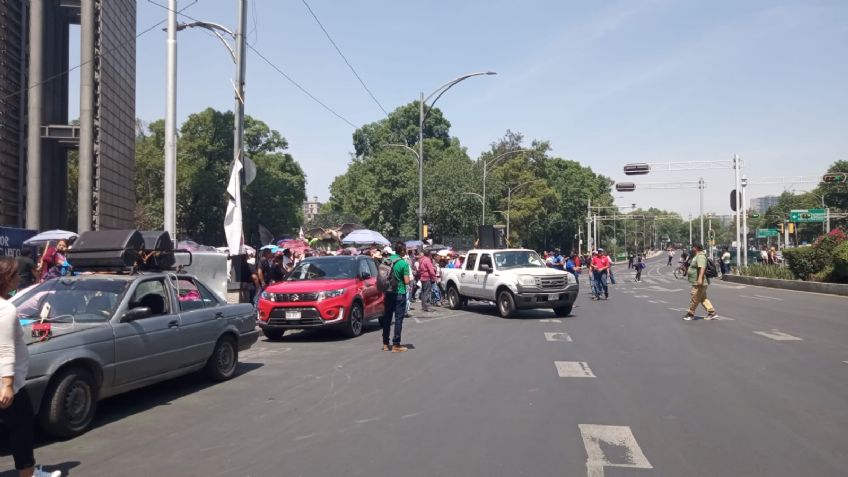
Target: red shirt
column 600, row 263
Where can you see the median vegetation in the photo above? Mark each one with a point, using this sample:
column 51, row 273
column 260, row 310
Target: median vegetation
column 825, row 261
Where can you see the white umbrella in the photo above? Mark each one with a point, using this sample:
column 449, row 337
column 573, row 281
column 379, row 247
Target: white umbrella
column 50, row 236
column 365, row 237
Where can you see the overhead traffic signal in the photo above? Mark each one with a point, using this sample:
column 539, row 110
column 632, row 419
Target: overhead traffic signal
column 637, row 169
column 835, row 178
column 733, row 200
column 625, row 187
column 791, row 227
column 780, row 227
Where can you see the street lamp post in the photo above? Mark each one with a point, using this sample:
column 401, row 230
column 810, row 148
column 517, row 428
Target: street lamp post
column 422, row 116
column 478, row 196
column 491, row 163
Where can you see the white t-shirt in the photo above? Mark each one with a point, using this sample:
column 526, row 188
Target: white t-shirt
column 14, row 355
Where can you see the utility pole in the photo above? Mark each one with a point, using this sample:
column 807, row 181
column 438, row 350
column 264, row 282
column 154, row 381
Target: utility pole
column 701, row 187
column 170, row 199
column 690, row 230
column 241, row 64
column 744, row 208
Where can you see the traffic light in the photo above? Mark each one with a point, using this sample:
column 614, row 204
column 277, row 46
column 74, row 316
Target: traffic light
column 625, row 187
column 780, row 227
column 791, row 227
column 424, row 232
column 637, row 169
column 733, row 199
column 835, row 178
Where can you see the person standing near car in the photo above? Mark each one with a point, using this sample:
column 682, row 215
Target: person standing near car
column 402, row 276
column 699, row 281
column 27, row 269
column 427, row 275
column 15, row 404
column 600, row 269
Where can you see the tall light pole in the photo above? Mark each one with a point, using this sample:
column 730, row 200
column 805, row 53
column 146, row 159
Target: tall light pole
column 509, row 200
column 170, row 199
column 422, row 116
column 491, row 163
column 478, row 196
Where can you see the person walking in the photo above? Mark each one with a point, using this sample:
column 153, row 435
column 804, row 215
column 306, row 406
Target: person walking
column 640, row 265
column 630, row 258
column 699, row 281
column 725, row 262
column 670, row 257
column 15, row 404
column 600, row 269
column 427, row 275
column 590, row 261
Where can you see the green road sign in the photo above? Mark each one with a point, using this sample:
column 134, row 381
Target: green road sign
column 764, row 233
column 755, row 215
column 807, row 215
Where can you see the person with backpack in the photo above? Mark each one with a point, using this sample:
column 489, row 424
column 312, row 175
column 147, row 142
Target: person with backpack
column 393, row 279
column 639, row 266
column 699, row 277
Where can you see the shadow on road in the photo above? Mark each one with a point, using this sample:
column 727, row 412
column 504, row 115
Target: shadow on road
column 321, row 335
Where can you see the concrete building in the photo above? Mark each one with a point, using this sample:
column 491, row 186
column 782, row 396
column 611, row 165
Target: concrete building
column 762, row 204
column 36, row 133
column 311, row 208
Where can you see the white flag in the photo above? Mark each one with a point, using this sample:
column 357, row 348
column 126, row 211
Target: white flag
column 301, row 236
column 233, row 220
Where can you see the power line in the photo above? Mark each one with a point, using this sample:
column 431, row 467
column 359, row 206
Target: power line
column 100, row 54
column 278, row 70
column 352, row 69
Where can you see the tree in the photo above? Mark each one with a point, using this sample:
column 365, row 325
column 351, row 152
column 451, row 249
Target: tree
column 400, row 127
column 204, row 158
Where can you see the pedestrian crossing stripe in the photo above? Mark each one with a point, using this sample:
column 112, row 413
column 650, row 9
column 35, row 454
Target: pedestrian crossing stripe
column 574, row 369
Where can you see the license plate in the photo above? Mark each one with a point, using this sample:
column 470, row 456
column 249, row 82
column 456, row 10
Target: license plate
column 553, row 297
column 292, row 315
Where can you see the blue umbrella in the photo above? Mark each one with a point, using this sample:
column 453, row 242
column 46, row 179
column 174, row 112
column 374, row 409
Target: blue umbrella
column 365, row 237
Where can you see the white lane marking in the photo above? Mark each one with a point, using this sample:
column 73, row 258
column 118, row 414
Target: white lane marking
column 734, row 287
column 653, row 301
column 778, row 335
column 256, row 353
column 846, row 362
column 752, row 297
column 574, row 369
column 661, row 301
column 557, row 337
column 678, row 309
column 551, row 320
column 769, row 297
column 617, row 436
column 641, row 296
column 663, row 289
column 724, row 318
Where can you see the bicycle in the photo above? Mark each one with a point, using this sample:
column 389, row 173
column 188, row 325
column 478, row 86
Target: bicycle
column 681, row 271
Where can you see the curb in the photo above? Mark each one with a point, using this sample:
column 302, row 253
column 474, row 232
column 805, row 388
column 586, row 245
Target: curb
column 840, row 289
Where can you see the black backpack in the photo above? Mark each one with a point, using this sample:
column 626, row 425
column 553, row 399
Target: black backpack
column 386, row 280
column 711, row 271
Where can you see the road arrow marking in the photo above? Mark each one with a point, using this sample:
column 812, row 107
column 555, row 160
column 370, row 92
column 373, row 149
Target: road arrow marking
column 573, row 369
column 619, row 438
column 557, row 337
column 778, row 335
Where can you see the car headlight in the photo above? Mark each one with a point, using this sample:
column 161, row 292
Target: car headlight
column 330, row 294
column 527, row 280
column 267, row 296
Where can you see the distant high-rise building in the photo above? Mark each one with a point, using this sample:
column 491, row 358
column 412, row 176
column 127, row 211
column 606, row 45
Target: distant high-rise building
column 762, row 204
column 36, row 133
column 311, row 208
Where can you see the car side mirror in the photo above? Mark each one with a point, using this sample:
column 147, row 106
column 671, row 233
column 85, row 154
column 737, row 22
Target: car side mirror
column 136, row 314
column 364, row 276
column 485, row 268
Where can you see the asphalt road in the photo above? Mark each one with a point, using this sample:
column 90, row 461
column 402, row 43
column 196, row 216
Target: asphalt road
column 621, row 388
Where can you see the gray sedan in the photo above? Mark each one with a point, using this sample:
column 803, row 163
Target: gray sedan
column 95, row 336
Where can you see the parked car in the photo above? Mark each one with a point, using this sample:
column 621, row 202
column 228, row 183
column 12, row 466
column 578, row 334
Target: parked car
column 512, row 278
column 323, row 292
column 112, row 333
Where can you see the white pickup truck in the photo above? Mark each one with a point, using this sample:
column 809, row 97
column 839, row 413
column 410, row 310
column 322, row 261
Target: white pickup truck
column 512, row 278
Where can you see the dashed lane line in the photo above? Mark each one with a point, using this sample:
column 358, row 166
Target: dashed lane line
column 557, row 336
column 550, row 320
column 596, row 438
column 777, row 335
column 641, row 296
column 574, row 369
column 769, row 297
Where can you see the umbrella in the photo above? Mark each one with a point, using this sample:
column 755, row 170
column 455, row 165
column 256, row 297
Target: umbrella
column 295, row 245
column 50, row 236
column 365, row 237
column 412, row 244
column 435, row 248
column 444, row 252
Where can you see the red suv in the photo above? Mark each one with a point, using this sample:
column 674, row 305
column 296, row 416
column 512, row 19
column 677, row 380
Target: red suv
column 339, row 292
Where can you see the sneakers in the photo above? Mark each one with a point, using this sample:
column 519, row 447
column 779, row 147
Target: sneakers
column 39, row 472
column 711, row 316
column 385, row 347
column 688, row 317
column 399, row 349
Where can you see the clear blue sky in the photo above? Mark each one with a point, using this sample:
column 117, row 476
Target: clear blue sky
column 606, row 82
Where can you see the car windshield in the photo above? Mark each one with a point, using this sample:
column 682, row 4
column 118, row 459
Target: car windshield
column 72, row 300
column 519, row 258
column 324, row 268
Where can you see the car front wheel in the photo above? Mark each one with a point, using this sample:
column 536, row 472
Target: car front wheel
column 563, row 311
column 355, row 322
column 70, row 403
column 454, row 298
column 506, row 304
column 221, row 366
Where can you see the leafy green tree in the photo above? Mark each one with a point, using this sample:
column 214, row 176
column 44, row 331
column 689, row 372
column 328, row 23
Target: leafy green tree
column 400, row 127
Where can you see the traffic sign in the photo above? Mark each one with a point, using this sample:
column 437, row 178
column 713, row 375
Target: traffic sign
column 835, row 178
column 765, row 233
column 625, row 187
column 807, row 215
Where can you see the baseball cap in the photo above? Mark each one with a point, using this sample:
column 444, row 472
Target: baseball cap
column 387, row 250
column 600, row 250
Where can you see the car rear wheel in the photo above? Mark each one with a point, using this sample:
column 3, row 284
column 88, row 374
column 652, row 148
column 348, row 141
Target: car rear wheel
column 506, row 304
column 221, row 366
column 70, row 403
column 563, row 311
column 454, row 298
column 355, row 322
column 273, row 334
